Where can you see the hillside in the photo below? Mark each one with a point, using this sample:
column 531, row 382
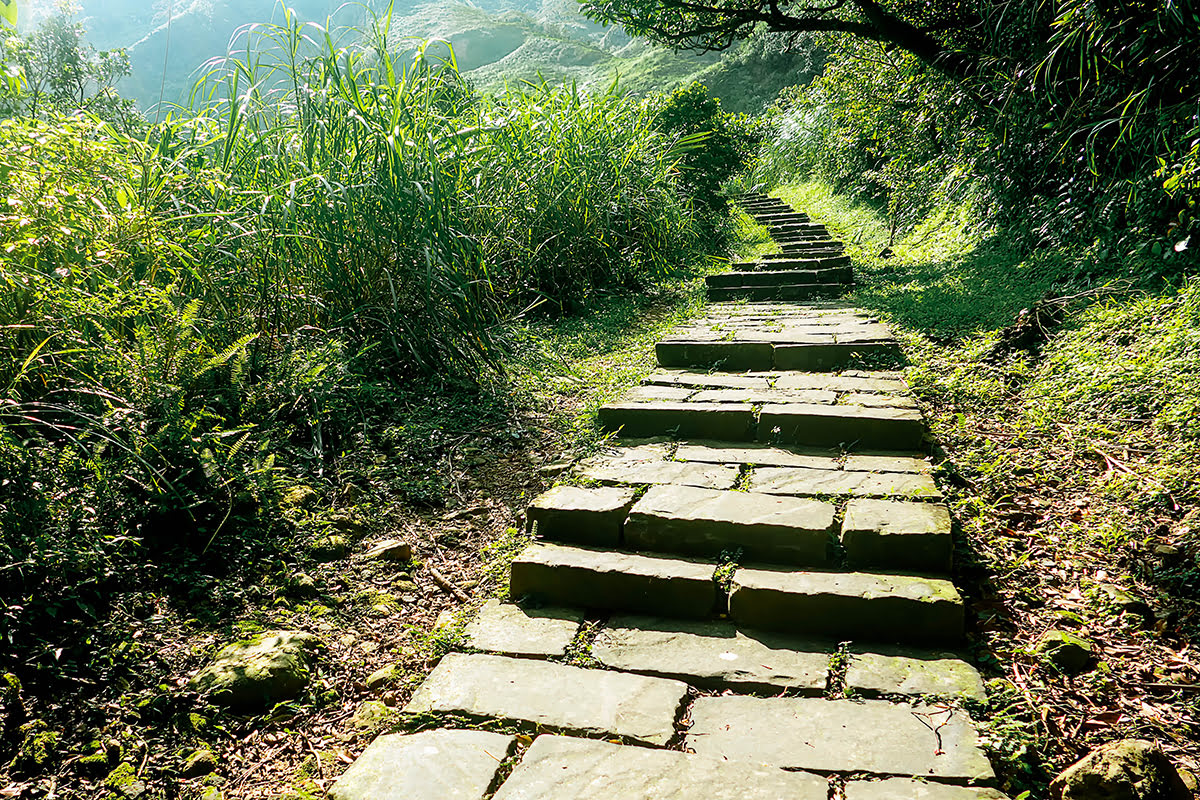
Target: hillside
column 495, row 42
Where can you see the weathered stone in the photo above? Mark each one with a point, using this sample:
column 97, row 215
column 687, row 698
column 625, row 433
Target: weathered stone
column 686, row 519
column 329, row 548
column 708, row 380
column 710, row 476
column 830, row 356
column 884, row 608
column 839, row 736
column 509, row 629
column 198, row 763
column 651, row 393
column 838, row 383
column 384, row 677
column 371, row 715
column 888, row 463
column 552, row 696
column 390, row 550
column 895, row 535
column 1128, row 769
column 258, row 672
column 722, row 355
column 810, row 482
column 582, row 515
column 713, row 655
column 589, row 578
column 877, row 400
column 828, row 426
column 1066, row 651
column 759, row 454
column 908, row 789
column 894, row 671
column 763, row 396
column 560, row 768
column 733, row 421
column 433, row 765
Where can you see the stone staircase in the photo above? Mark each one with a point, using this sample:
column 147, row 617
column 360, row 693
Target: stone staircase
column 746, row 596
column 811, row 264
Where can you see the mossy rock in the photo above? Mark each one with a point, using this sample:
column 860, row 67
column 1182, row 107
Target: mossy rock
column 124, row 781
column 330, row 548
column 1128, row 769
column 39, row 748
column 198, row 764
column 259, row 672
column 1067, row 652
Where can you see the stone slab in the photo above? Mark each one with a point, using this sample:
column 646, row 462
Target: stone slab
column 706, row 522
column 908, row 789
column 582, row 515
column 559, row 768
column 828, row 357
column 546, row 695
column 708, row 380
column 839, row 736
column 713, row 655
column 509, row 629
column 433, row 765
column 587, row 578
column 733, row 421
column 753, row 453
column 887, row 463
column 650, row 393
column 912, row 672
column 828, row 426
column 763, row 396
column 877, row 400
column 818, row 482
column 838, row 383
column 898, row 535
column 723, row 355
column 615, row 470
column 848, row 605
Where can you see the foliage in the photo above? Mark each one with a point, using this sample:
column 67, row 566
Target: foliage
column 53, row 70
column 309, row 279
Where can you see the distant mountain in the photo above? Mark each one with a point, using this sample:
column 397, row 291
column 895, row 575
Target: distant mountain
column 494, row 41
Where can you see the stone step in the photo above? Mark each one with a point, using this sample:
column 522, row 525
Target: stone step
column 807, row 262
column 601, row 579
column 562, row 768
column 780, row 277
column 869, row 427
column 549, row 696
column 807, row 291
column 880, row 671
column 734, row 421
column 581, row 515
column 780, row 217
column 511, row 630
column 797, row 227
column 834, row 248
column 435, row 765
column 704, row 522
column 902, row 609
column 735, row 356
column 889, row 534
column 846, row 736
column 716, row 655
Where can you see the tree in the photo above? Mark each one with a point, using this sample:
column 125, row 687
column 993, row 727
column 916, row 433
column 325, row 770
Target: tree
column 55, row 71
column 921, row 28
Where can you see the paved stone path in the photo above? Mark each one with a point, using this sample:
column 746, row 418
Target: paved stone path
column 744, row 597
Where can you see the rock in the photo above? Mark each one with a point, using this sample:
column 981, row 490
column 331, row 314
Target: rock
column 370, row 714
column 212, row 793
column 258, row 672
column 303, row 585
column 1069, row 653
column 297, row 497
column 391, row 550
column 1125, row 601
column 583, row 515
column 385, row 677
column 124, row 780
column 12, row 705
column 329, row 548
column 885, row 671
column 198, row 764
column 1127, row 769
column 38, row 751
column 347, row 523
column 444, row 620
column 512, row 630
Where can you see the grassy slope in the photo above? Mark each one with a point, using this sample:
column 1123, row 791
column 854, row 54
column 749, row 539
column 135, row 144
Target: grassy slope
column 1071, row 470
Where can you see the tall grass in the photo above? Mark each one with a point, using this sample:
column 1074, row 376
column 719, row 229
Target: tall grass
column 195, row 318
